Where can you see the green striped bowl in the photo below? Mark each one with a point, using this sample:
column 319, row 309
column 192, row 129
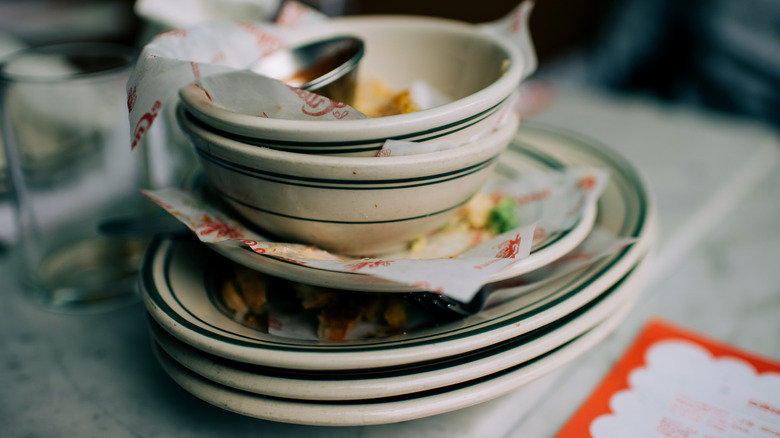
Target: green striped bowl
column 350, row 205
column 478, row 70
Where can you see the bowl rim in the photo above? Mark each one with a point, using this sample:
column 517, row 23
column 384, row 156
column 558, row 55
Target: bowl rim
column 489, row 147
column 335, row 147
column 308, row 130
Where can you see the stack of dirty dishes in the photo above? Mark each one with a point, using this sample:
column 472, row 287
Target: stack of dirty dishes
column 276, row 338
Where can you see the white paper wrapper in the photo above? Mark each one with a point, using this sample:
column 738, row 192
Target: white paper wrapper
column 247, row 93
column 454, row 262
column 599, row 244
column 284, row 321
column 179, row 57
column 394, row 147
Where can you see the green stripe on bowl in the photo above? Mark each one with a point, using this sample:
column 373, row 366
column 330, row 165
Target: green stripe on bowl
column 333, row 221
column 318, row 149
column 371, row 144
column 345, row 184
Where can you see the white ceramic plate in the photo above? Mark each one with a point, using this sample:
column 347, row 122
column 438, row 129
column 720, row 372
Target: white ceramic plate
column 176, row 294
column 543, row 252
column 373, row 384
column 395, row 409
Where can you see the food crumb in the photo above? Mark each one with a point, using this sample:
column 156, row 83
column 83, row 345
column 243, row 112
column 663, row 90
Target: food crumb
column 418, row 244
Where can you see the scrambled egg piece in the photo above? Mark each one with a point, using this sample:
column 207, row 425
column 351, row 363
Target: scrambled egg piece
column 493, row 214
column 375, row 99
column 418, row 244
column 477, row 211
column 401, row 103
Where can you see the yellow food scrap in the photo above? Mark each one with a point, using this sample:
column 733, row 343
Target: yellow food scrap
column 490, row 214
column 232, row 299
column 370, row 95
column 335, row 329
column 375, row 99
column 253, row 288
column 477, row 211
column 248, row 294
column 395, row 313
column 418, row 244
column 340, row 317
column 401, row 103
column 313, row 297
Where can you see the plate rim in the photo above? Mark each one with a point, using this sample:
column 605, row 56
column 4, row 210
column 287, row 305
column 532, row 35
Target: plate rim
column 561, row 243
column 339, row 414
column 342, row 386
column 507, row 327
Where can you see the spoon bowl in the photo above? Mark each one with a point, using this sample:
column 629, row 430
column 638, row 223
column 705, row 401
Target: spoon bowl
column 327, row 67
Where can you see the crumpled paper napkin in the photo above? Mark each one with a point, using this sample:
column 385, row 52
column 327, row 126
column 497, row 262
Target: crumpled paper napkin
column 456, row 264
column 177, row 14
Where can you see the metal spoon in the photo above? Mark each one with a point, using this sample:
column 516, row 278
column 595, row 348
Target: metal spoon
column 328, row 67
column 448, row 309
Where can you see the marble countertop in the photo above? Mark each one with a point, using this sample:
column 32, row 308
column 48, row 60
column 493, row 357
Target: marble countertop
column 715, row 271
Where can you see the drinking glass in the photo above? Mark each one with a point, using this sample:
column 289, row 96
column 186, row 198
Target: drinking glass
column 70, row 166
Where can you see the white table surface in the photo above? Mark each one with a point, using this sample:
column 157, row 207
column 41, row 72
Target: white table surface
column 715, row 270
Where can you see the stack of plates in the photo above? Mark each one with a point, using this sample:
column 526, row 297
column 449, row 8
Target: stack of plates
column 421, row 372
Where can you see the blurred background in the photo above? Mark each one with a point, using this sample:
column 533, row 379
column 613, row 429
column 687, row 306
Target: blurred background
column 722, row 55
column 559, row 25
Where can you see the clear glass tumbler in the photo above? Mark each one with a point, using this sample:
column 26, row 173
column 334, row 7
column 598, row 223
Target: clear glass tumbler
column 70, row 165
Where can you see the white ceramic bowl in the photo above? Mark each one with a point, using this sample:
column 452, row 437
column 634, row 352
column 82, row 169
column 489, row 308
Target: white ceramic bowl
column 351, row 205
column 479, row 71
